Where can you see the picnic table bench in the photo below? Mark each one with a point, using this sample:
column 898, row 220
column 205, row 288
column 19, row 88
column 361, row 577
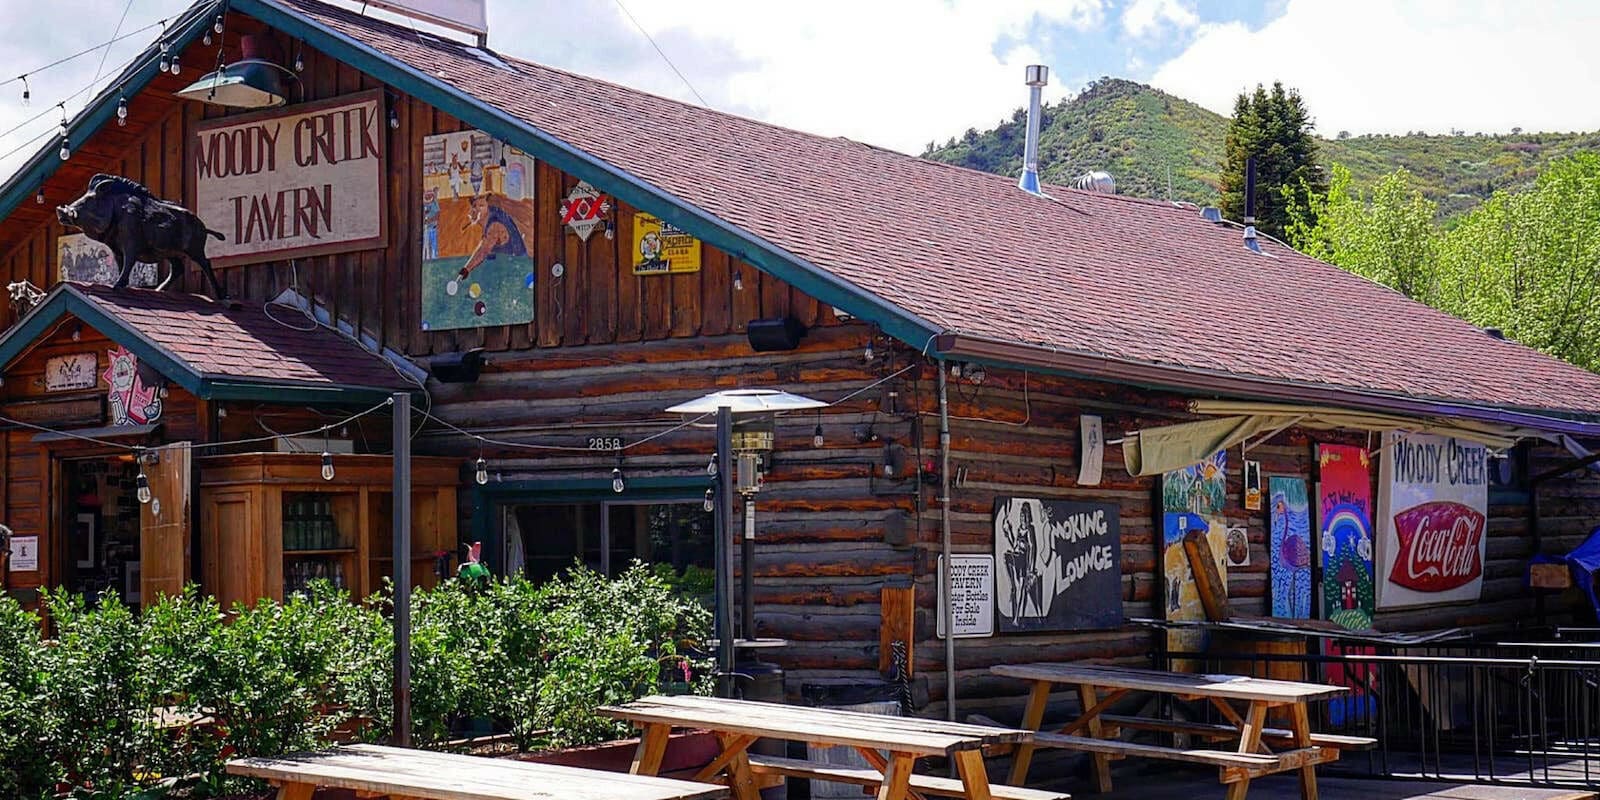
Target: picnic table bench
column 739, row 723
column 424, row 775
column 1096, row 731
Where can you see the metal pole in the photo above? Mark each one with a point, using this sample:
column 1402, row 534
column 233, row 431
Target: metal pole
column 944, row 536
column 724, row 551
column 402, row 569
column 747, row 569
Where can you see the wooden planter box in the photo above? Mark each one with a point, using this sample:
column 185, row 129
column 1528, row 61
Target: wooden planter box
column 686, row 753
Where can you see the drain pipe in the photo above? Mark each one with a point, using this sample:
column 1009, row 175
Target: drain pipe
column 944, row 536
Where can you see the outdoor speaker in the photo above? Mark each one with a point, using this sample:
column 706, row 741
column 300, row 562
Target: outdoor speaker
column 459, row 367
column 768, row 335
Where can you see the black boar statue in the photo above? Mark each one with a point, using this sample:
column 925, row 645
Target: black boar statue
column 138, row 226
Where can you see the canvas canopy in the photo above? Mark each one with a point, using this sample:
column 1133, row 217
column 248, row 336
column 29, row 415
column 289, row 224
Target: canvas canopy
column 1154, row 451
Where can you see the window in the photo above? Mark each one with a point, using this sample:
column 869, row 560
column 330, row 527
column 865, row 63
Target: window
column 542, row 539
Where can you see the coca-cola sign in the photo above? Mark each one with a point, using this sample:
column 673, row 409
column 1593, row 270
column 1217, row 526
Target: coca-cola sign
column 1433, row 504
column 1438, row 547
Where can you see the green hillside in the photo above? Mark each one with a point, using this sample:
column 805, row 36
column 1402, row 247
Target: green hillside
column 1144, row 137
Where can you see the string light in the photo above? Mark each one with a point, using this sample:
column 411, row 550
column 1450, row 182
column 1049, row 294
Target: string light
column 711, row 467
column 166, row 62
column 711, row 500
column 482, row 473
column 299, row 60
column 327, row 465
column 27, row 93
column 738, row 281
column 816, row 436
column 868, row 355
column 66, row 149
column 177, row 63
column 142, row 485
column 39, row 198
column 122, row 111
column 217, row 26
column 618, row 484
column 394, row 119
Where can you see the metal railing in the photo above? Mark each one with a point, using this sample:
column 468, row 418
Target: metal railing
column 1478, row 712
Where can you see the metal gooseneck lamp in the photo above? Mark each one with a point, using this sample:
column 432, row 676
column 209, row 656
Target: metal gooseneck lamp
column 746, row 427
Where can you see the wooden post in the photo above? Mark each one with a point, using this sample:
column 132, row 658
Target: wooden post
column 898, row 608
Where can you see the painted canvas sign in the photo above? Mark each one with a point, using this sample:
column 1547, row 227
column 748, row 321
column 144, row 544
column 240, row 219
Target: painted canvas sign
column 1433, row 503
column 304, row 180
column 84, row 260
column 1344, row 505
column 584, row 209
column 477, row 232
column 1289, row 547
column 659, row 247
column 1060, row 565
column 1192, row 499
column 136, row 392
column 70, row 372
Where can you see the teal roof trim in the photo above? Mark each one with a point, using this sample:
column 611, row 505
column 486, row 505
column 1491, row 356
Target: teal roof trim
column 788, row 267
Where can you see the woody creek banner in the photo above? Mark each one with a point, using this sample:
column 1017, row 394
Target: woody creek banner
column 1433, row 500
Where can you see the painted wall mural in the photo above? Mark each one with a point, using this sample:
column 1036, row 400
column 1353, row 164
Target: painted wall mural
column 477, row 232
column 1344, row 525
column 1289, row 547
column 136, row 392
column 1192, row 498
column 1433, row 505
column 1061, row 565
column 84, row 260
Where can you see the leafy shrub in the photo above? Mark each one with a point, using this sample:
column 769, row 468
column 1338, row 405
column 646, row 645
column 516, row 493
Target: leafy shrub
column 83, row 712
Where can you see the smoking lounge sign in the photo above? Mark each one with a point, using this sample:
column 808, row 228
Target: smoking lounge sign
column 302, row 182
column 1433, row 497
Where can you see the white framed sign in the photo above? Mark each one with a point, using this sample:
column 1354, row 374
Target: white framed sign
column 304, row 180
column 971, row 596
column 1433, row 502
column 66, row 373
column 25, row 554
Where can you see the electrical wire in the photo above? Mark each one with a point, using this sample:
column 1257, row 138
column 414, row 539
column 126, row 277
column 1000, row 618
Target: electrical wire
column 426, row 415
column 107, row 52
column 138, row 448
column 160, row 23
column 662, row 53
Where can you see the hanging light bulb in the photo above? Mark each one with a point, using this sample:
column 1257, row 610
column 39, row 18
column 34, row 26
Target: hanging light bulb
column 868, row 355
column 206, row 40
column 711, row 467
column 122, row 112
column 618, row 485
column 217, row 26
column 327, row 465
column 394, row 119
column 166, row 62
column 738, row 281
column 39, row 198
column 142, row 486
column 816, row 436
column 177, row 65
column 482, row 473
column 27, row 93
column 299, row 62
column 66, row 149
column 711, row 500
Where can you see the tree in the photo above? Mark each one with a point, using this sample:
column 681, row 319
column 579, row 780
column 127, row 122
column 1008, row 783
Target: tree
column 1389, row 237
column 1275, row 128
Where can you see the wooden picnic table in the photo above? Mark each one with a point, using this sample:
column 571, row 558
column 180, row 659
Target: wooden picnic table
column 424, row 775
column 739, row 723
column 1095, row 731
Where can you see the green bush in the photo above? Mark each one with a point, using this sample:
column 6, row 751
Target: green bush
column 80, row 713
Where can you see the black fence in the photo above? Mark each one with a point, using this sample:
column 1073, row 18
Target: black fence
column 1495, row 713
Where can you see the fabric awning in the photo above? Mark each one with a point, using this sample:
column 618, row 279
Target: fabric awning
column 1154, row 451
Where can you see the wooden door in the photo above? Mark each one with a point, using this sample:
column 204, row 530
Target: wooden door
column 164, row 524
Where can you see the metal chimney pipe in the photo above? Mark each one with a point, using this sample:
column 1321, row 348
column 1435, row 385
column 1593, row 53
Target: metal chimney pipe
column 1250, row 190
column 1037, row 75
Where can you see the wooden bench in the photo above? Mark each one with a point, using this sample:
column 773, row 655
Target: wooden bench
column 862, row 776
column 371, row 770
column 739, row 723
column 1099, row 687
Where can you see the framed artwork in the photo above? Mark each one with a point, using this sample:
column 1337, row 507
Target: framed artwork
column 1192, row 499
column 1059, row 565
column 1289, row 548
column 85, row 526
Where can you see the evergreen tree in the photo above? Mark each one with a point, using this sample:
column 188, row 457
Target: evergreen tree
column 1275, row 128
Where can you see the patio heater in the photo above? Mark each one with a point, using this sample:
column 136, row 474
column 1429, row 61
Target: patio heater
column 746, row 422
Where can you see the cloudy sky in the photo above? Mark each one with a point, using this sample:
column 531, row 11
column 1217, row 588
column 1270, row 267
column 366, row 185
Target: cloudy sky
column 901, row 73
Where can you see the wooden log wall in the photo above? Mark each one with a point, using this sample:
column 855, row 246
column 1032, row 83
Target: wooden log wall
column 1017, row 435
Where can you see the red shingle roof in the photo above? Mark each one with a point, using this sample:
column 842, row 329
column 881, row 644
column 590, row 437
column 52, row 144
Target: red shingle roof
column 242, row 343
column 1124, row 279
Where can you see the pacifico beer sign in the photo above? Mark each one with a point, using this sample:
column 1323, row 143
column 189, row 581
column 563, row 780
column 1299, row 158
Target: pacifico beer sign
column 1433, row 495
column 304, row 180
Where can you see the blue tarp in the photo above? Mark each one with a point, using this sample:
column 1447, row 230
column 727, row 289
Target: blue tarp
column 1583, row 562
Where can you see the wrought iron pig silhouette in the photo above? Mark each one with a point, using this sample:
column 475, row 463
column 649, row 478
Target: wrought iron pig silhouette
column 138, row 226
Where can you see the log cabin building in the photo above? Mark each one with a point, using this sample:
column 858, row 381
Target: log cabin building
column 548, row 261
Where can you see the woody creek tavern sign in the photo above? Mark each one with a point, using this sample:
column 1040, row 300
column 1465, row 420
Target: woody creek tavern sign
column 304, row 181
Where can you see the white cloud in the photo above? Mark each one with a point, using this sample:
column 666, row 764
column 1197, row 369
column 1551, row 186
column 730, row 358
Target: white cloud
column 1433, row 66
column 1143, row 18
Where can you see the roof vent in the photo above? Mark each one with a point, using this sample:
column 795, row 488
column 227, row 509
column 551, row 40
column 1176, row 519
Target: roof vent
column 1036, row 76
column 1250, row 241
column 1495, row 333
column 1097, row 181
column 1211, row 214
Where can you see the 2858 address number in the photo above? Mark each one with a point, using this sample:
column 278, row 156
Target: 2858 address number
column 605, row 442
